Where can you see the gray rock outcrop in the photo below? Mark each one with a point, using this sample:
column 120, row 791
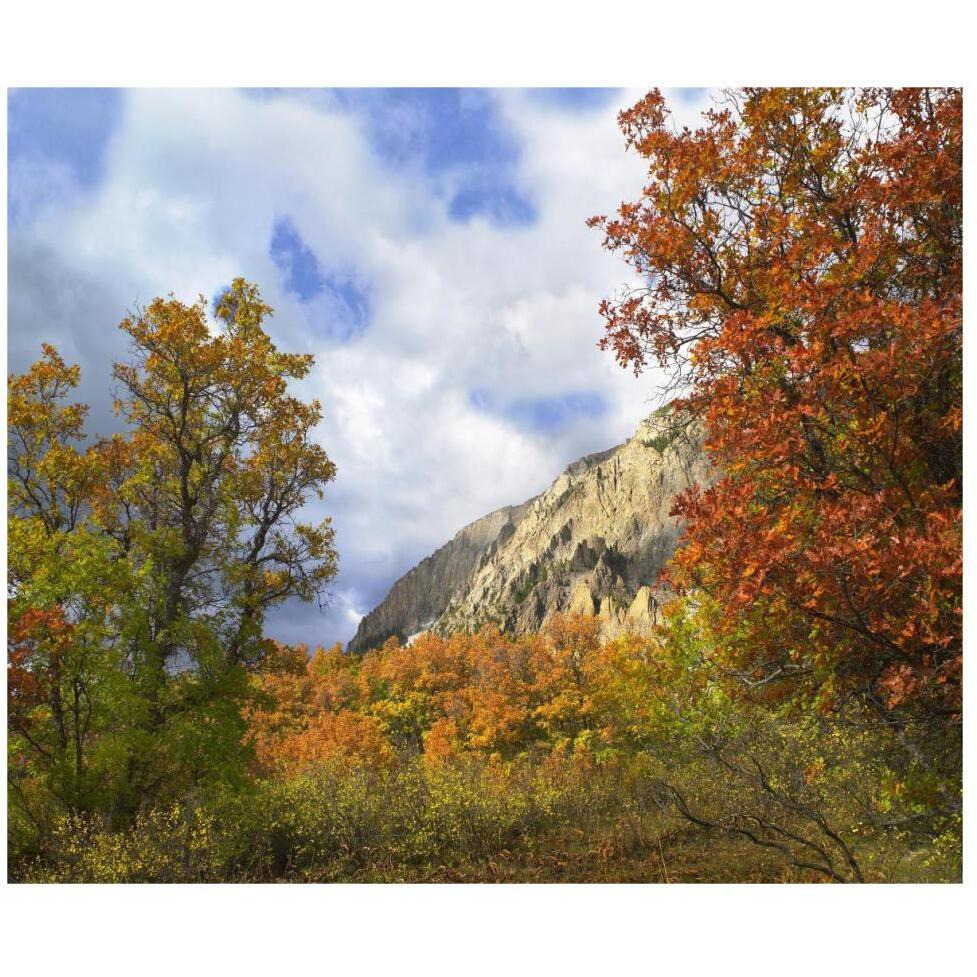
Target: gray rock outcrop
column 592, row 543
column 419, row 597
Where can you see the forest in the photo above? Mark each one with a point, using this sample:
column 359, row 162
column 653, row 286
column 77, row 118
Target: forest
column 795, row 717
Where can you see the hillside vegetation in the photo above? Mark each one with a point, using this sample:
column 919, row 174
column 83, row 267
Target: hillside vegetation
column 545, row 757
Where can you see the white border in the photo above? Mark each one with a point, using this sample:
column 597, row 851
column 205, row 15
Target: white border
column 479, row 929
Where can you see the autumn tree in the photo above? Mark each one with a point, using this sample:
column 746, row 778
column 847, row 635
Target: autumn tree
column 800, row 264
column 63, row 573
column 142, row 566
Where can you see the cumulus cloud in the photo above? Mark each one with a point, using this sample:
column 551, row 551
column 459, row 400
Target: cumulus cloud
column 429, row 248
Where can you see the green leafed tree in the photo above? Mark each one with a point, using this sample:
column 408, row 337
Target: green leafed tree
column 141, row 566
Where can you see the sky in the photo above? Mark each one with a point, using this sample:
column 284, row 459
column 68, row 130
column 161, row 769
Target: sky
column 429, row 247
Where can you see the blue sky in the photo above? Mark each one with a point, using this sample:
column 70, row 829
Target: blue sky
column 457, row 140
column 305, row 278
column 428, row 245
column 546, row 415
column 70, row 127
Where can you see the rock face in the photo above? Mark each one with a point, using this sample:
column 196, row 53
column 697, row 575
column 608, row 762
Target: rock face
column 419, row 597
column 592, row 543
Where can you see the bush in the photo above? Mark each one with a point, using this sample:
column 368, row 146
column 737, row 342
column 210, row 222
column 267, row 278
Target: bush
column 542, row 757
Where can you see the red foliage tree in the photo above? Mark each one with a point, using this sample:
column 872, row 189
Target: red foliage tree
column 800, row 255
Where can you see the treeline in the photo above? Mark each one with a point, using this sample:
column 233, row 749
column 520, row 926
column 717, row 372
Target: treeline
column 544, row 757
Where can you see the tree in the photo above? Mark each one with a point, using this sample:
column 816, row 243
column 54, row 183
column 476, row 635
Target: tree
column 63, row 572
column 142, row 567
column 800, row 255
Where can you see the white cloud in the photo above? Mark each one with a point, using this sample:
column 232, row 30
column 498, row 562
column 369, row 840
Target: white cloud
column 193, row 184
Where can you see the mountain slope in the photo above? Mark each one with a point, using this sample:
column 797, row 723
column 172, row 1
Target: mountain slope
column 592, row 543
column 419, row 597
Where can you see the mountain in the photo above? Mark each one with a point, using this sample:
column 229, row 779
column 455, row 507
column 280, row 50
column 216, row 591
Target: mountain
column 592, row 543
column 419, row 597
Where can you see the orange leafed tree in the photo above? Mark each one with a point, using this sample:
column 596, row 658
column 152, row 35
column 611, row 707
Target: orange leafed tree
column 800, row 260
column 485, row 693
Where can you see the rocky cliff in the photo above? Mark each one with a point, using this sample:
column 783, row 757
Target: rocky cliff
column 592, row 543
column 420, row 596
